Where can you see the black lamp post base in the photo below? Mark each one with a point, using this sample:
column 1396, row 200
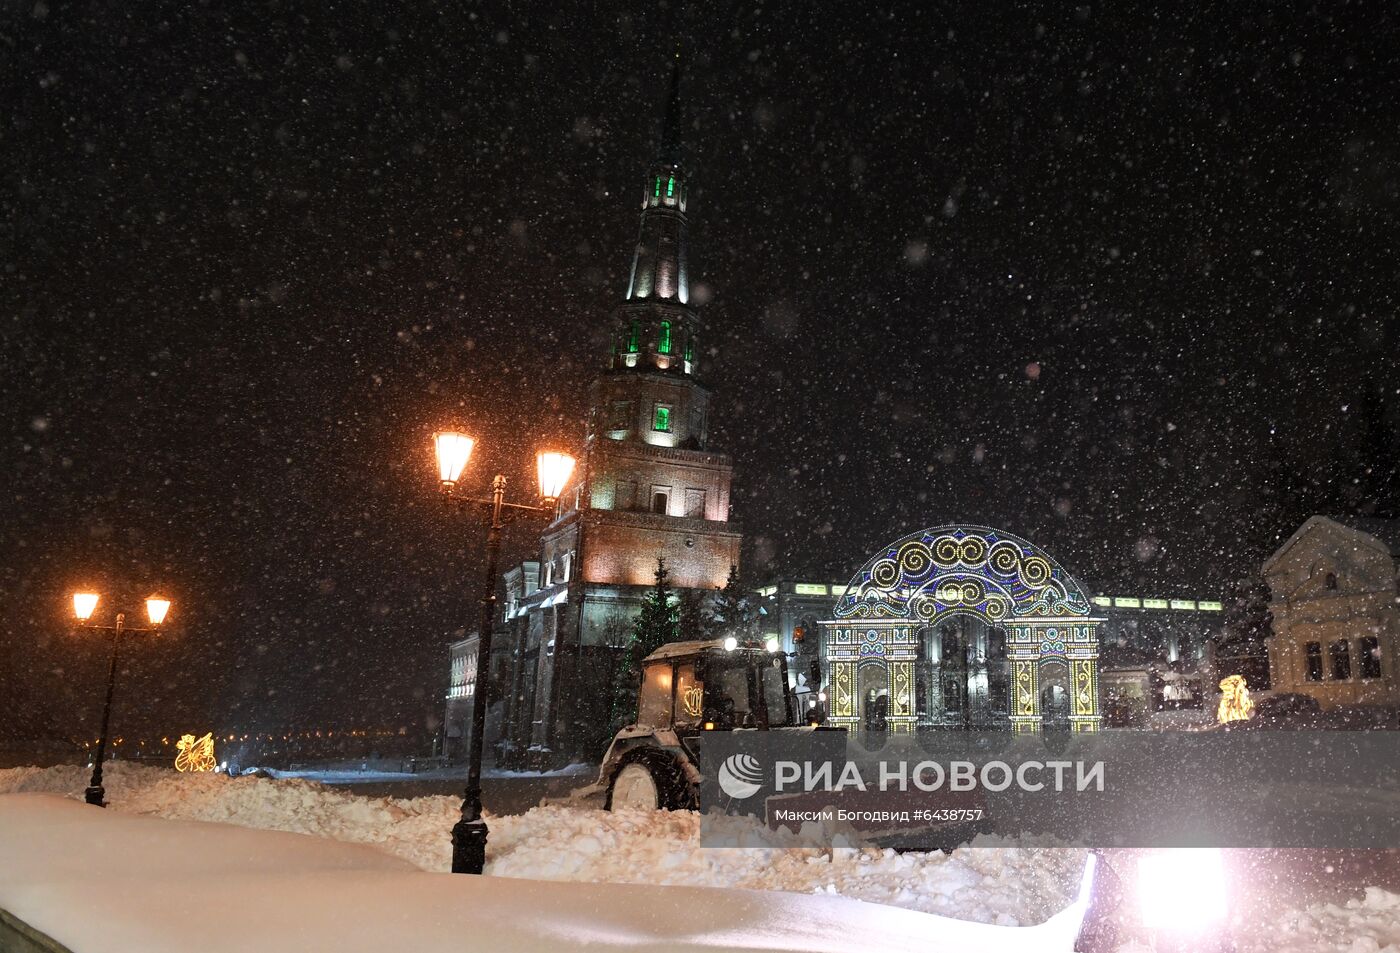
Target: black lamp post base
column 469, row 846
column 96, row 796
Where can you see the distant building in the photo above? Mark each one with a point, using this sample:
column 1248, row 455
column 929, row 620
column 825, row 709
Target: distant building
column 1335, row 598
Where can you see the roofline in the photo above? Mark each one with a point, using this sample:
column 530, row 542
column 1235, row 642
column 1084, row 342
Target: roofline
column 1307, row 525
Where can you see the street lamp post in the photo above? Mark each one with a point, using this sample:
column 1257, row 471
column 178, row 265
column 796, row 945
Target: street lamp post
column 84, row 604
column 453, row 450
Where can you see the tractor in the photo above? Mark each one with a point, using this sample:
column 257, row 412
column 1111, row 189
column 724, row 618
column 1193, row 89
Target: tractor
column 687, row 690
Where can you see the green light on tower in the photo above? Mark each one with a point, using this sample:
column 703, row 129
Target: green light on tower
column 663, row 340
column 634, row 335
column 670, row 186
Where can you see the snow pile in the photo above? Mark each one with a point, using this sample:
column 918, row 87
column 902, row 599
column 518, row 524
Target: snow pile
column 1006, row 885
column 101, row 880
column 1368, row 925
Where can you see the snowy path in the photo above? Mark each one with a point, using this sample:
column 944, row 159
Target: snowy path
column 100, row 880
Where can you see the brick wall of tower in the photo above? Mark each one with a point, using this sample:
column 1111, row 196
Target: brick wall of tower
column 622, row 549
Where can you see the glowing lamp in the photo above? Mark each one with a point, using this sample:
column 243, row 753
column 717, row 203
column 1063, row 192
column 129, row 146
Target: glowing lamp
column 453, row 451
column 83, row 604
column 730, row 644
column 555, row 470
column 156, row 608
column 771, row 643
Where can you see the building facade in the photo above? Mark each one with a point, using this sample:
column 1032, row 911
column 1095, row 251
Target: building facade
column 650, row 486
column 1335, row 597
column 1152, row 653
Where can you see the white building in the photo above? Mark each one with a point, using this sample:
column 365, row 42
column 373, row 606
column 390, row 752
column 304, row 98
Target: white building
column 1335, row 597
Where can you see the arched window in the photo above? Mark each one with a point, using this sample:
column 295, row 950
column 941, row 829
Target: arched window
column 1331, row 580
column 663, row 339
column 634, row 337
column 670, row 186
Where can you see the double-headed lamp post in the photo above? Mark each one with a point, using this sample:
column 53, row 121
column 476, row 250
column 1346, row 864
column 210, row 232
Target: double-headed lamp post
column 84, row 604
column 453, row 451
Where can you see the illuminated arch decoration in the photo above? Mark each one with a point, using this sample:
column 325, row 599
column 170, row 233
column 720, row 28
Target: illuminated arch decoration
column 936, row 573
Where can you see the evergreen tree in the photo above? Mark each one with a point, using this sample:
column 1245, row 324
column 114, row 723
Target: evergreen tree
column 656, row 625
column 733, row 612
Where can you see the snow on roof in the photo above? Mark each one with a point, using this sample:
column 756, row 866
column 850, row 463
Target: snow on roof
column 672, row 649
column 1384, row 531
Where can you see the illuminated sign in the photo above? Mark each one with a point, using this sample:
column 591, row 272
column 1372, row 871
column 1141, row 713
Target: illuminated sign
column 1210, row 606
column 809, row 589
column 1154, row 603
column 1183, row 604
column 1127, row 602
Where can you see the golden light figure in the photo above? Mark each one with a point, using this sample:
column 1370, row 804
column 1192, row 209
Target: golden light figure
column 1235, row 703
column 196, row 754
column 555, row 470
column 453, row 451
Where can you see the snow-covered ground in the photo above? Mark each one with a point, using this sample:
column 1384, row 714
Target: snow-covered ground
column 990, row 882
column 98, row 880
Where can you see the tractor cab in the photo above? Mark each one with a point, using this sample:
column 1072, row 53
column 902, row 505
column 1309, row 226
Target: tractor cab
column 715, row 685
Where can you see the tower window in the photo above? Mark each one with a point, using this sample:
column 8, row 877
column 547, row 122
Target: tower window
column 662, row 420
column 1331, row 580
column 660, row 499
column 634, row 337
column 663, row 340
column 670, row 186
column 690, row 346
column 657, row 191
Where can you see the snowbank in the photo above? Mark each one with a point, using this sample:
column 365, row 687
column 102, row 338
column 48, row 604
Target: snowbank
column 99, row 880
column 1007, row 886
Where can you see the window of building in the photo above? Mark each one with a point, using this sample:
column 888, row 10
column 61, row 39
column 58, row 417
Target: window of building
column 690, row 346
column 1314, row 659
column 625, row 496
column 1331, row 580
column 564, row 571
column 1370, row 662
column 662, row 419
column 656, row 192
column 621, row 415
column 663, row 339
column 634, row 337
column 660, row 499
column 695, row 503
column 1340, row 652
column 670, row 186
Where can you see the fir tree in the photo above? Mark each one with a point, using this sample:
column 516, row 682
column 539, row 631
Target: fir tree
column 656, row 625
column 733, row 611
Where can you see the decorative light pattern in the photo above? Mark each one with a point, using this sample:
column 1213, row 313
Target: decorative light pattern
column 973, row 569
column 1235, row 703
column 196, row 754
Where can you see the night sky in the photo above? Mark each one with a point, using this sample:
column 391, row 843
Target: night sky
column 1120, row 281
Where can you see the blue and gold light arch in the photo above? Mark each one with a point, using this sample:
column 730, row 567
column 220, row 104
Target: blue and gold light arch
column 925, row 577
column 978, row 570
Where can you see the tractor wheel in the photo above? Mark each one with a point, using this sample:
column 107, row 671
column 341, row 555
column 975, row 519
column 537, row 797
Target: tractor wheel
column 652, row 781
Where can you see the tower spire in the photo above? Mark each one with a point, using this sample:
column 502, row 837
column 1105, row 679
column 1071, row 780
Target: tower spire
column 670, row 151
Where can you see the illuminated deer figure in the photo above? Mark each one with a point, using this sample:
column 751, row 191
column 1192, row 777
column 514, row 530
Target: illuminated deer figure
column 1235, row 703
column 196, row 754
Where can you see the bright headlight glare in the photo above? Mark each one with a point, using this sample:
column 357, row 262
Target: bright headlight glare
column 1182, row 889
